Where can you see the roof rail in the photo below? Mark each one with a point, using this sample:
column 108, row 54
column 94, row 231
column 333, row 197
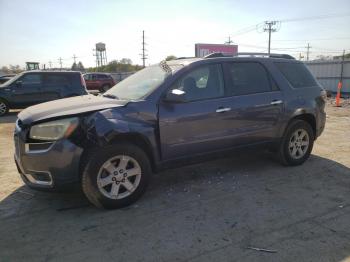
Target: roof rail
column 213, row 55
column 285, row 56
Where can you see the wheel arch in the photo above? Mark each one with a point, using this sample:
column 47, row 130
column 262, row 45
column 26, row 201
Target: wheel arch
column 136, row 139
column 308, row 118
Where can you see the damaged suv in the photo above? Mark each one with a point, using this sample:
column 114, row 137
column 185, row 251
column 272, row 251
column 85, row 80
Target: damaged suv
column 165, row 114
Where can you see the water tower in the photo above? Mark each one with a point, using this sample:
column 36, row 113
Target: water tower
column 101, row 55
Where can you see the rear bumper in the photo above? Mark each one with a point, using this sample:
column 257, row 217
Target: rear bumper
column 54, row 166
column 321, row 123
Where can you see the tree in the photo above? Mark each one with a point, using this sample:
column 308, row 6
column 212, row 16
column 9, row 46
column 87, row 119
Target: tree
column 80, row 67
column 74, row 67
column 126, row 61
column 170, row 57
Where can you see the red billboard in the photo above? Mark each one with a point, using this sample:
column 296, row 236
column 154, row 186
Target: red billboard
column 206, row 49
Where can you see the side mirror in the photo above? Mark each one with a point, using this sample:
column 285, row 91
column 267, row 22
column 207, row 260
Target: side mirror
column 175, row 96
column 18, row 83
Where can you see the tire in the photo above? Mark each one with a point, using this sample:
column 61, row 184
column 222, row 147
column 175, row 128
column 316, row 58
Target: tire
column 4, row 107
column 104, row 171
column 105, row 88
column 297, row 135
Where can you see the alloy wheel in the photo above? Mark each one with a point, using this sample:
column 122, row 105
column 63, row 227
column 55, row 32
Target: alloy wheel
column 299, row 144
column 119, row 177
column 3, row 108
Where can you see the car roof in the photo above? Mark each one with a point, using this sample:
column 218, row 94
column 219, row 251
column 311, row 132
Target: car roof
column 96, row 73
column 52, row 71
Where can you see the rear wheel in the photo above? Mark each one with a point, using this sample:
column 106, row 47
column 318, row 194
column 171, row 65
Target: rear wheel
column 115, row 176
column 297, row 143
column 4, row 108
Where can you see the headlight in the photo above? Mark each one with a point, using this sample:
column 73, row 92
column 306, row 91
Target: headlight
column 54, row 130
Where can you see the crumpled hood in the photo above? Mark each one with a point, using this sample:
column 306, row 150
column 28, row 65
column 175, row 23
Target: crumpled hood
column 67, row 106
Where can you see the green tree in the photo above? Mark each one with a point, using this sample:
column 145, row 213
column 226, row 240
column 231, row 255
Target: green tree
column 80, row 67
column 74, row 67
column 170, row 57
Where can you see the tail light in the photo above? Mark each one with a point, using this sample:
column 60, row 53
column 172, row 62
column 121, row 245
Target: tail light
column 82, row 81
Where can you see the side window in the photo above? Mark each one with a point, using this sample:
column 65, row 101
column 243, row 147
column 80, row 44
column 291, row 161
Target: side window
column 31, row 79
column 204, row 82
column 297, row 74
column 87, row 77
column 60, row 80
column 248, row 78
column 102, row 77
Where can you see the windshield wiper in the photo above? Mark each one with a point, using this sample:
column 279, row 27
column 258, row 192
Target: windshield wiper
column 110, row 96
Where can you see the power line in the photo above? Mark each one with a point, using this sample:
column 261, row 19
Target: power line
column 60, row 62
column 308, row 51
column 229, row 41
column 270, row 26
column 297, row 19
column 143, row 55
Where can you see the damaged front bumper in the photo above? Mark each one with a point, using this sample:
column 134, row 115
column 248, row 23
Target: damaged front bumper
column 47, row 165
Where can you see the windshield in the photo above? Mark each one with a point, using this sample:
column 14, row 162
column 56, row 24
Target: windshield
column 139, row 84
column 13, row 79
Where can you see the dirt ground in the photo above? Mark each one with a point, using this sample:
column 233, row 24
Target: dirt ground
column 217, row 210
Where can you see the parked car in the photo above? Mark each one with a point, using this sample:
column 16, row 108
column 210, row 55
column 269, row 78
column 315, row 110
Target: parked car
column 167, row 114
column 34, row 87
column 5, row 78
column 99, row 81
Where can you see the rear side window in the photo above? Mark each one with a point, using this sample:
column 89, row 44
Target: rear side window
column 61, row 80
column 102, row 77
column 248, row 78
column 297, row 74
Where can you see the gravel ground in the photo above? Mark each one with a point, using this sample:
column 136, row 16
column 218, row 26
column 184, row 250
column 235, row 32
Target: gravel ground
column 223, row 210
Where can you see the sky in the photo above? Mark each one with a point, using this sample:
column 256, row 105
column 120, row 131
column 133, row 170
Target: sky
column 44, row 31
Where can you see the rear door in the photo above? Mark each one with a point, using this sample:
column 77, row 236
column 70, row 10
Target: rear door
column 91, row 81
column 27, row 90
column 54, row 85
column 256, row 103
column 198, row 125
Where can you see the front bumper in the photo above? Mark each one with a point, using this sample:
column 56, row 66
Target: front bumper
column 46, row 165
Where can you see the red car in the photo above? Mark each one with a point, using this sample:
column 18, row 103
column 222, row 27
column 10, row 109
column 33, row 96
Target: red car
column 99, row 81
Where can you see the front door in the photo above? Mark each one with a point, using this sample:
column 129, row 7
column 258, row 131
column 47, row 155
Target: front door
column 198, row 125
column 26, row 90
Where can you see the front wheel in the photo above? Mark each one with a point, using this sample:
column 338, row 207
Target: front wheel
column 297, row 143
column 4, row 108
column 115, row 176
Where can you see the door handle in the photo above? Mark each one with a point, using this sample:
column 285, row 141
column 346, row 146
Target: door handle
column 276, row 102
column 223, row 109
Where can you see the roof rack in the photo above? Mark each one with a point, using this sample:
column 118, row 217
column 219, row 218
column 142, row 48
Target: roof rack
column 285, row 56
column 213, row 55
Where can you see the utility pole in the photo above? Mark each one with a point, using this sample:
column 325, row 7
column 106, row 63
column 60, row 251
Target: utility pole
column 308, row 51
column 74, row 57
column 50, row 64
column 229, row 41
column 270, row 27
column 60, row 61
column 144, row 56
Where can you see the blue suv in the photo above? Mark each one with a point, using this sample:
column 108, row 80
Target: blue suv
column 169, row 113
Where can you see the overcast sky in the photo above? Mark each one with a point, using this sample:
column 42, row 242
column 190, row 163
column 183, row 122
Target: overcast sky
column 43, row 31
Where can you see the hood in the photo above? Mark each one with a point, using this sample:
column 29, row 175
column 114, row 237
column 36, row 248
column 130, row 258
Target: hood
column 67, row 106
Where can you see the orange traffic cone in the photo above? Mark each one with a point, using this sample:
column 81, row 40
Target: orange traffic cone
column 337, row 99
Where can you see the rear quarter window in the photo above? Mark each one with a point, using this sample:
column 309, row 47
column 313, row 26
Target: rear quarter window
column 296, row 74
column 58, row 80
